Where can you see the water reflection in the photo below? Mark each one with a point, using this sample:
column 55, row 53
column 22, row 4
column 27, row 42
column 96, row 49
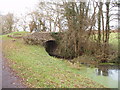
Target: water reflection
column 111, row 71
column 113, row 74
column 105, row 75
column 102, row 72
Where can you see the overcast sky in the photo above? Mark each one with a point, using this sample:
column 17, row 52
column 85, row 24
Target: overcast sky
column 17, row 6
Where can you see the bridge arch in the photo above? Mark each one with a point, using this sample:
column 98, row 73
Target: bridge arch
column 50, row 46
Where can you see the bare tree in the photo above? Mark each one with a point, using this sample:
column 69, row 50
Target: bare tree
column 7, row 23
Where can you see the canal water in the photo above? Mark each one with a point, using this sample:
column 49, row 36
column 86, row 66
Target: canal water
column 106, row 75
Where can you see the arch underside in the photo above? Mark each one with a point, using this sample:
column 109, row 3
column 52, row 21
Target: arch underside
column 50, row 46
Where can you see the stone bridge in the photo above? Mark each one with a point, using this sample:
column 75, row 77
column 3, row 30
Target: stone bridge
column 42, row 38
column 38, row 38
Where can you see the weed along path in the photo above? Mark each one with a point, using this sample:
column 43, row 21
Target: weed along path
column 9, row 79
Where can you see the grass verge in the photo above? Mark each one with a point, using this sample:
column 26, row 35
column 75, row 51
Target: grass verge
column 39, row 70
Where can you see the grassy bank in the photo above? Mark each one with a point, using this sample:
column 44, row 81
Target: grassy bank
column 114, row 40
column 33, row 64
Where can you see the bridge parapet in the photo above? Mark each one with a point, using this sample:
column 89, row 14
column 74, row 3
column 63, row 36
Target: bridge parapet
column 38, row 38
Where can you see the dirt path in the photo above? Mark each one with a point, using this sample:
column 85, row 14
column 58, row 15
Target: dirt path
column 9, row 79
